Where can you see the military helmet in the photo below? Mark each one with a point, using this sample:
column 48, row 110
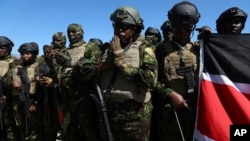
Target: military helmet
column 153, row 31
column 4, row 41
column 75, row 26
column 204, row 28
column 230, row 13
column 61, row 36
column 78, row 28
column 184, row 13
column 29, row 47
column 96, row 41
column 127, row 14
column 166, row 25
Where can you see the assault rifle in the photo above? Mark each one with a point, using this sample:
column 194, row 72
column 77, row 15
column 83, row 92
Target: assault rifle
column 60, row 113
column 24, row 96
column 44, row 70
column 103, row 109
column 1, row 104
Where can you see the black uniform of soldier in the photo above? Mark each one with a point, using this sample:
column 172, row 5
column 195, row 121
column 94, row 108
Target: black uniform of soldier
column 167, row 31
column 231, row 21
column 178, row 61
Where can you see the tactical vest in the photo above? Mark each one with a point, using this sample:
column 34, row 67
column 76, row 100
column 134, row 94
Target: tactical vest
column 32, row 74
column 173, row 61
column 124, row 88
column 75, row 53
column 4, row 65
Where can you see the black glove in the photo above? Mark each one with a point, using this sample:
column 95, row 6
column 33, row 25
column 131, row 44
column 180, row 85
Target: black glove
column 84, row 66
column 204, row 34
column 84, row 70
column 63, row 60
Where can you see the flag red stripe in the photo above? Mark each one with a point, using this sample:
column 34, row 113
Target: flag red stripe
column 220, row 106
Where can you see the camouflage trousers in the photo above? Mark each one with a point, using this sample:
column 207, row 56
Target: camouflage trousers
column 32, row 121
column 10, row 130
column 130, row 120
column 50, row 116
column 168, row 129
column 81, row 118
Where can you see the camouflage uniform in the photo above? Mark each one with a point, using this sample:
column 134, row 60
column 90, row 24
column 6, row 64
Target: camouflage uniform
column 9, row 130
column 9, row 122
column 52, row 98
column 126, row 81
column 81, row 118
column 34, row 120
column 49, row 101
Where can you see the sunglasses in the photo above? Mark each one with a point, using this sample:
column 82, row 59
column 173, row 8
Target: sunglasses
column 3, row 47
column 188, row 30
column 123, row 26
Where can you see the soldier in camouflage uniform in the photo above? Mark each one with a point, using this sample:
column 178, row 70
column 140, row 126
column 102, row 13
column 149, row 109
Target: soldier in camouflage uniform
column 178, row 62
column 127, row 74
column 7, row 122
column 153, row 35
column 98, row 42
column 80, row 65
column 58, row 45
column 48, row 71
column 26, row 101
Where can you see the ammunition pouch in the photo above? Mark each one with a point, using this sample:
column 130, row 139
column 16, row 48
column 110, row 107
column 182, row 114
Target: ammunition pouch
column 188, row 74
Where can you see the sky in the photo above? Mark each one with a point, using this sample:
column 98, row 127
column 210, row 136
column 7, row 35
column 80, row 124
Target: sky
column 37, row 20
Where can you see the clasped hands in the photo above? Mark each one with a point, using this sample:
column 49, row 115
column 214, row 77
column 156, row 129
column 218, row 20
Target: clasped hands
column 118, row 52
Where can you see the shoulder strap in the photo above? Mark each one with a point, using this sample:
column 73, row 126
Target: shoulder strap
column 161, row 51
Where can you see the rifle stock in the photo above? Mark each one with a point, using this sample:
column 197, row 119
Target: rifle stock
column 103, row 109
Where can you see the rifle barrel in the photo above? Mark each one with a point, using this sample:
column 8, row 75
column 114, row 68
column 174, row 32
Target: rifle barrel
column 103, row 110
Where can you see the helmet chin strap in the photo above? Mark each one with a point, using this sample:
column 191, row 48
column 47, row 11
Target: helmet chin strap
column 192, row 34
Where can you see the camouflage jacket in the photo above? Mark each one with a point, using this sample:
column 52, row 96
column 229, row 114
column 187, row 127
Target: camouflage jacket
column 84, row 68
column 145, row 75
column 4, row 69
